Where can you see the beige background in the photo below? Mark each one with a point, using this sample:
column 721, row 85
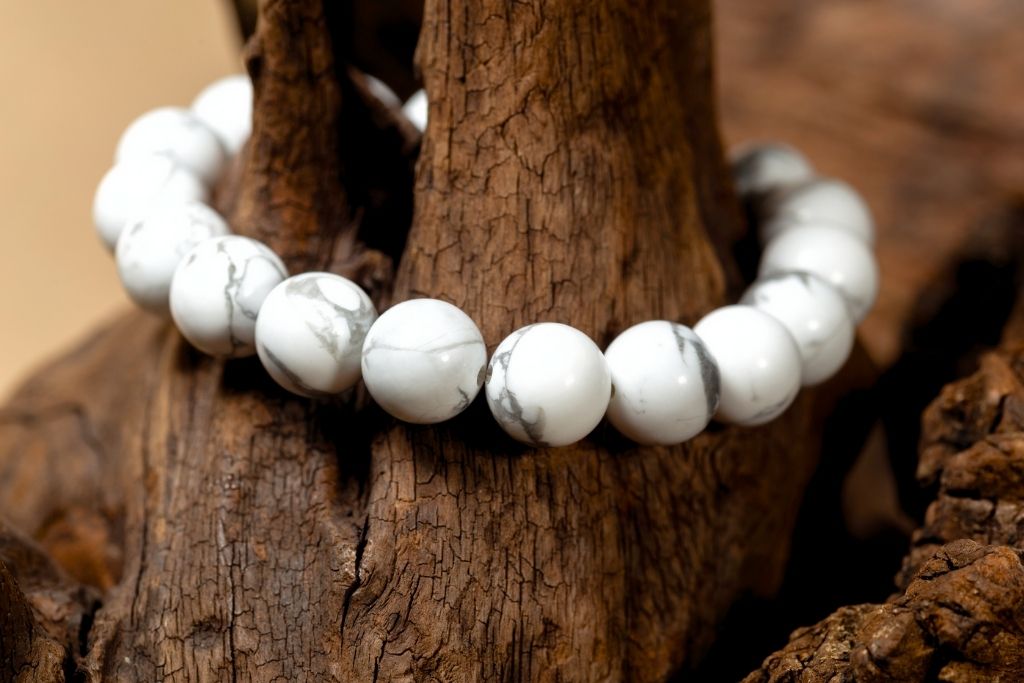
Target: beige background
column 73, row 74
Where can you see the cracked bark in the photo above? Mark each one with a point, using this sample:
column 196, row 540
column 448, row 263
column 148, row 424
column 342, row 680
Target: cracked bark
column 571, row 171
column 959, row 619
column 958, row 615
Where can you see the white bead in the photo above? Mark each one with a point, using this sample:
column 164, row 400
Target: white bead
column 832, row 254
column 664, row 383
column 424, row 361
column 226, row 107
column 416, row 109
column 548, row 384
column 150, row 249
column 382, row 91
column 217, row 291
column 176, row 133
column 815, row 313
column 818, row 202
column 758, row 363
column 310, row 331
column 134, row 187
column 764, row 168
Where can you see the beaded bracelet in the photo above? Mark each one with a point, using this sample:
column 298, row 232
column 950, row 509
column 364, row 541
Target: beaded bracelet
column 424, row 360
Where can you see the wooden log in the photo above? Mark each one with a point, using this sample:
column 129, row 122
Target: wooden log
column 571, row 171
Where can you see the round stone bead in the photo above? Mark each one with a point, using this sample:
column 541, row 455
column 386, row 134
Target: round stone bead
column 176, row 133
column 818, row 202
column 665, row 383
column 217, row 291
column 832, row 254
column 424, row 361
column 134, row 187
column 758, row 363
column 765, row 168
column 815, row 313
column 310, row 331
column 548, row 384
column 416, row 109
column 382, row 91
column 149, row 249
column 225, row 106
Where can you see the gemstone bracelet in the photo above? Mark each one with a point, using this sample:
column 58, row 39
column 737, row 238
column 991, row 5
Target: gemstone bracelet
column 424, row 360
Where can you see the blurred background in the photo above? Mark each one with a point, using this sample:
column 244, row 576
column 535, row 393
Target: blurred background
column 74, row 75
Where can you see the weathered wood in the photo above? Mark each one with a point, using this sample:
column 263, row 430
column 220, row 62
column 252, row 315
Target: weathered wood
column 571, row 171
column 43, row 613
column 907, row 101
column 960, row 619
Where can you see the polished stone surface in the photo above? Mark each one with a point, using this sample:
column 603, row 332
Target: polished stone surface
column 758, row 363
column 134, row 187
column 665, row 383
column 176, row 133
column 217, row 291
column 833, row 254
column 815, row 313
column 150, row 249
column 759, row 169
column 822, row 201
column 548, row 384
column 424, row 361
column 416, row 109
column 310, row 332
column 225, row 106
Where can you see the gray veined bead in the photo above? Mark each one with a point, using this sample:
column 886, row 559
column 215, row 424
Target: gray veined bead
column 666, row 383
column 761, row 169
column 815, row 314
column 758, row 363
column 423, row 361
column 548, row 384
column 310, row 333
column 217, row 291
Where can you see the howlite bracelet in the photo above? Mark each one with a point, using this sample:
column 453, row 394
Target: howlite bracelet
column 424, row 360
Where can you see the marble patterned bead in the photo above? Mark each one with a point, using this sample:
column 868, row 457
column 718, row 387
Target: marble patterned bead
column 758, row 363
column 665, row 383
column 133, row 187
column 225, row 106
column 176, row 133
column 310, row 332
column 417, row 109
column 548, row 384
column 150, row 249
column 815, row 313
column 424, row 361
column 764, row 168
column 818, row 202
column 834, row 255
column 217, row 291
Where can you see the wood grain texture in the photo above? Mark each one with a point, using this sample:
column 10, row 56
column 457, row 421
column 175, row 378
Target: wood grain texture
column 44, row 613
column 571, row 171
column 958, row 620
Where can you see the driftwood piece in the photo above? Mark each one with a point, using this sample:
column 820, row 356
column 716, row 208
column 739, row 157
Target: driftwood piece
column 973, row 446
column 961, row 618
column 571, row 171
column 44, row 613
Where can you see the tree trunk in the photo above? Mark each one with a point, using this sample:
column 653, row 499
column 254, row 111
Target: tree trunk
column 571, row 171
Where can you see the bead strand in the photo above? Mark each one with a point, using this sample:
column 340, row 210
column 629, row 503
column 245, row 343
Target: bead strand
column 424, row 361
